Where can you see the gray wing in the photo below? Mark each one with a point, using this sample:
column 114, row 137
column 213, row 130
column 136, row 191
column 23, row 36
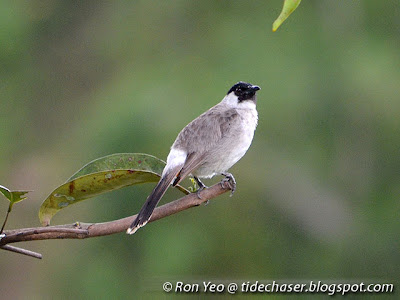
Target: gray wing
column 204, row 132
column 193, row 160
column 201, row 135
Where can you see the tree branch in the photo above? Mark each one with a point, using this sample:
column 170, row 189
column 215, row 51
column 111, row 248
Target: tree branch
column 87, row 230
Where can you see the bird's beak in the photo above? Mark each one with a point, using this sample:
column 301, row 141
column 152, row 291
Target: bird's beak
column 255, row 88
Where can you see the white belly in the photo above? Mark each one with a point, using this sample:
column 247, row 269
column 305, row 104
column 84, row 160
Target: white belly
column 231, row 150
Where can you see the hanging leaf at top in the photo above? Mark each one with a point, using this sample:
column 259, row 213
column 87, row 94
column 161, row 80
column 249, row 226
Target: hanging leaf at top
column 289, row 6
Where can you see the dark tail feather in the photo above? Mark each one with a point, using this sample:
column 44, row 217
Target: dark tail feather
column 152, row 201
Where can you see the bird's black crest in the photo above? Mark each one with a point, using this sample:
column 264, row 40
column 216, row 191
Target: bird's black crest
column 244, row 90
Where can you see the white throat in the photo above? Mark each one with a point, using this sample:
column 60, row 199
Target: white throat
column 232, row 100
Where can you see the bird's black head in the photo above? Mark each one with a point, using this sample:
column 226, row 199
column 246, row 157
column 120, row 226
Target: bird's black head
column 244, row 91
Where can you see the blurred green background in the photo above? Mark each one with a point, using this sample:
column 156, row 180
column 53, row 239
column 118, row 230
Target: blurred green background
column 318, row 191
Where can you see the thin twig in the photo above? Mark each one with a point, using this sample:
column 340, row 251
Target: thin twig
column 87, row 230
column 21, row 251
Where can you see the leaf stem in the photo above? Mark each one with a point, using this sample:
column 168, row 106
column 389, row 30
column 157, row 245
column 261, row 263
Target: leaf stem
column 5, row 221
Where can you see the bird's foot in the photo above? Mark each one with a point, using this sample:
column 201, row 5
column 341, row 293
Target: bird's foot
column 199, row 191
column 231, row 182
column 202, row 186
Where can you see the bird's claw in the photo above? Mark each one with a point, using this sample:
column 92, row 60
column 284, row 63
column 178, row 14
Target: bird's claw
column 198, row 194
column 199, row 191
column 202, row 186
column 231, row 182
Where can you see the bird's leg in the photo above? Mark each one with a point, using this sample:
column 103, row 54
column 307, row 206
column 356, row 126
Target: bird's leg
column 230, row 180
column 201, row 185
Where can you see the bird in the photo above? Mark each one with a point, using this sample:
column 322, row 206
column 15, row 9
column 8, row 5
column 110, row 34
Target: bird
column 209, row 145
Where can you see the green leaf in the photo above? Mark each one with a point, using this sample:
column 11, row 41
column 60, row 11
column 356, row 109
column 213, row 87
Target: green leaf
column 289, row 6
column 122, row 161
column 6, row 192
column 100, row 176
column 13, row 196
